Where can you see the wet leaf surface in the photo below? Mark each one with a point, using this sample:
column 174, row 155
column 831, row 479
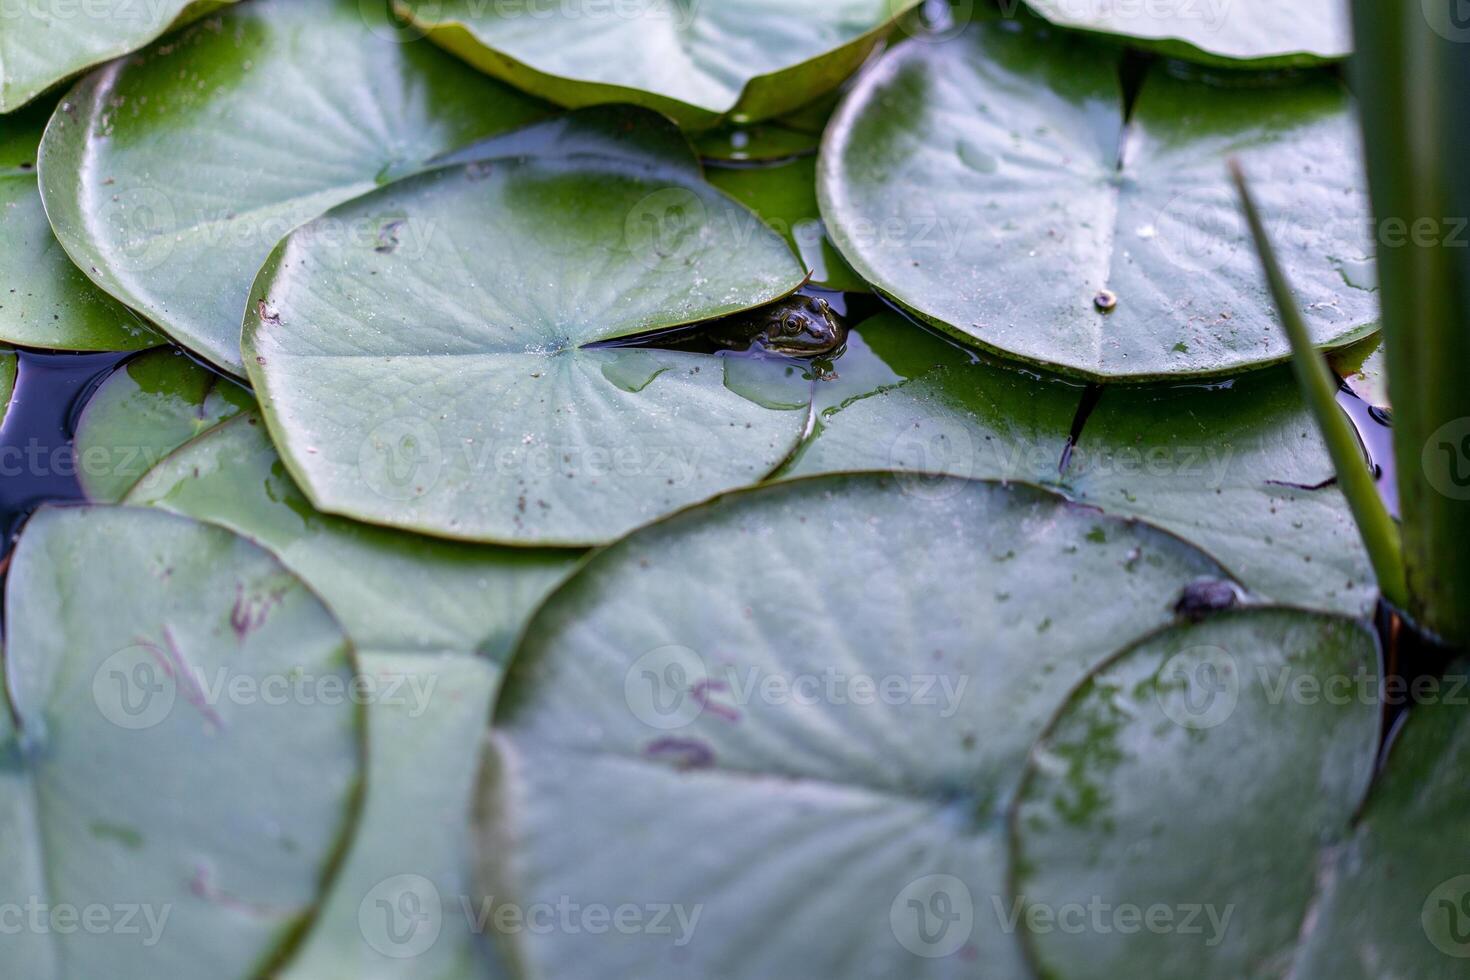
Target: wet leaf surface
column 170, row 175
column 990, row 184
column 141, row 772
column 45, row 300
column 1259, row 32
column 695, row 63
column 687, row 708
column 1171, row 817
column 445, row 388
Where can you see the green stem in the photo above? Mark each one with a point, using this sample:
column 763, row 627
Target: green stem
column 1380, row 533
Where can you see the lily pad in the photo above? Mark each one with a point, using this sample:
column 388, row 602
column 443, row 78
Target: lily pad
column 7, row 380
column 1259, row 32
column 152, row 769
column 146, row 409
column 1236, row 469
column 48, row 41
column 771, row 737
column 1171, row 816
column 1363, row 368
column 695, row 63
column 992, row 184
column 1395, row 899
column 785, row 196
column 446, row 387
column 410, row 603
column 394, row 912
column 169, row 175
column 47, row 302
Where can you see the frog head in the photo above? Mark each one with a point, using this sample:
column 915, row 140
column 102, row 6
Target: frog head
column 803, row 326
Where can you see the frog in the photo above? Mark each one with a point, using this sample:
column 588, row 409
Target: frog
column 798, row 326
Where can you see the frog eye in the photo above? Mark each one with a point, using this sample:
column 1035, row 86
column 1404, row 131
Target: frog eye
column 790, row 326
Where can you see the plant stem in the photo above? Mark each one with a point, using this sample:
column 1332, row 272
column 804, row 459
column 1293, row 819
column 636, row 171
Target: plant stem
column 1380, row 534
column 1413, row 79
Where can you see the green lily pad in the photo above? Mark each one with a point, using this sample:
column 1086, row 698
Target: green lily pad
column 169, row 175
column 990, row 184
column 47, row 302
column 410, row 603
column 1259, row 32
column 1236, row 469
column 444, row 388
column 1171, row 816
column 7, row 380
column 1363, row 368
column 1395, row 899
column 785, row 196
column 695, row 63
column 394, row 912
column 146, row 409
column 48, row 41
column 154, row 773
column 795, row 705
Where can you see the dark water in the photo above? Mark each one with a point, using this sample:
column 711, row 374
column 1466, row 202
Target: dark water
column 36, row 464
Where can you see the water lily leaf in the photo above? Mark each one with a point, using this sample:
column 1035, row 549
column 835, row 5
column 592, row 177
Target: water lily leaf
column 1395, row 899
column 1177, row 804
column 990, row 184
column 394, row 912
column 1237, row 469
column 47, row 301
column 444, row 388
column 49, row 41
column 695, row 63
column 394, row 592
column 146, row 766
column 410, row 603
column 1260, row 32
column 146, row 409
column 785, row 196
column 908, row 400
column 1364, row 369
column 169, row 175
column 746, row 735
column 7, row 380
column 1241, row 472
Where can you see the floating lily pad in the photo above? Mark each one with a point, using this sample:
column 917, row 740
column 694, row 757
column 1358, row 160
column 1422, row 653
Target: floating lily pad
column 7, row 380
column 146, row 409
column 785, row 196
column 169, row 175
column 395, row 910
column 410, row 603
column 798, row 704
column 445, row 388
column 1236, row 469
column 1395, row 899
column 152, row 764
column 989, row 183
column 1260, row 32
column 1363, row 368
column 695, row 63
column 1171, row 817
column 46, row 300
column 48, row 41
